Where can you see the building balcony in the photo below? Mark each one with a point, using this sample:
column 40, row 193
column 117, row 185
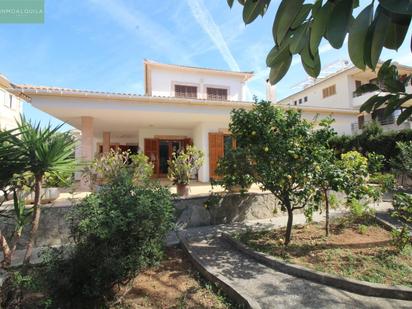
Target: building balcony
column 357, row 101
column 387, row 125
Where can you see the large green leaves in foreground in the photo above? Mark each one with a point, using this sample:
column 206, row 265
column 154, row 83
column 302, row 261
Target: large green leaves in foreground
column 299, row 28
column 390, row 93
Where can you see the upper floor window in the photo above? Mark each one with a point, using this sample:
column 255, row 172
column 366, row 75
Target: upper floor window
column 305, row 99
column 329, row 91
column 218, row 94
column 182, row 91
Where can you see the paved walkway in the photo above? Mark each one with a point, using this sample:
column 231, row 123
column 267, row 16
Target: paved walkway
column 270, row 288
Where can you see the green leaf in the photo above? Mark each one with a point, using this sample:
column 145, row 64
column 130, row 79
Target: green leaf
column 300, row 38
column 373, row 103
column 338, row 23
column 357, row 37
column 380, row 28
column 310, row 63
column 366, row 88
column 275, row 55
column 393, row 85
column 397, row 30
column 405, row 114
column 397, row 6
column 252, row 9
column 286, row 14
column 277, row 72
column 301, row 17
column 230, row 3
column 318, row 29
column 393, row 104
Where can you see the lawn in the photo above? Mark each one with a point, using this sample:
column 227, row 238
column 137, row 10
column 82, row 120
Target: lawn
column 358, row 249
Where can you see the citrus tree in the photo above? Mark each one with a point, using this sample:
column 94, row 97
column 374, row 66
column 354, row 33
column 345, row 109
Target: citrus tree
column 281, row 147
column 329, row 175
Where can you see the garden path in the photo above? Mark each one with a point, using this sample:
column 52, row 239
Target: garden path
column 266, row 287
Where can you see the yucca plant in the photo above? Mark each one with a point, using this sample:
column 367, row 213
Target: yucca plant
column 44, row 150
column 12, row 164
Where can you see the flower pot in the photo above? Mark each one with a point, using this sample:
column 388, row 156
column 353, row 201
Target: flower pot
column 47, row 195
column 182, row 190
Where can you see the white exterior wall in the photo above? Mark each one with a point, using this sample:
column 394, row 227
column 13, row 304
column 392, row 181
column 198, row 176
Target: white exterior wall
column 163, row 81
column 342, row 98
column 201, row 141
column 9, row 111
column 342, row 123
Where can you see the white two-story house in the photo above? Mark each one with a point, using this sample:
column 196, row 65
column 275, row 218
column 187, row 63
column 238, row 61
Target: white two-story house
column 10, row 105
column 181, row 105
column 336, row 90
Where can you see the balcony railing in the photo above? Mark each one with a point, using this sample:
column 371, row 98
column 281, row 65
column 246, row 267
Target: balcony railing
column 387, row 125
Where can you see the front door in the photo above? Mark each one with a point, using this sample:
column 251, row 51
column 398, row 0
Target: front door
column 166, row 150
column 160, row 151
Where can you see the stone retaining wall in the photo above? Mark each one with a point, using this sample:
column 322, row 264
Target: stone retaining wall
column 190, row 212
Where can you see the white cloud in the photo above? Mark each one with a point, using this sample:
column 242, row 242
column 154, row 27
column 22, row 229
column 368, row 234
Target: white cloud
column 206, row 21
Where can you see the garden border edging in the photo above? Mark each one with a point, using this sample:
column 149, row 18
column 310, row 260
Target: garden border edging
column 351, row 285
column 218, row 280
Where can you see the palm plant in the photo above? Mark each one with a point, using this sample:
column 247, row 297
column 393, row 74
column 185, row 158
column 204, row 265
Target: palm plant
column 45, row 150
column 12, row 164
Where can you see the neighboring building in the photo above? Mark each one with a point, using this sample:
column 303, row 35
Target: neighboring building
column 181, row 105
column 336, row 90
column 10, row 105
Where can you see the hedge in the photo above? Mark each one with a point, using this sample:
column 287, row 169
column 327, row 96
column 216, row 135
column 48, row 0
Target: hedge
column 378, row 142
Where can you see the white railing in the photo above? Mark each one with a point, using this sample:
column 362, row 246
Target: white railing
column 386, row 126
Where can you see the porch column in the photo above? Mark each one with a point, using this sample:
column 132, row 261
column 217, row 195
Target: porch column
column 86, row 146
column 106, row 142
column 87, row 138
column 200, row 140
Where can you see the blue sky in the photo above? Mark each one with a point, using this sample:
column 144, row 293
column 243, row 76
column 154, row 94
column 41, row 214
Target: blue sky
column 101, row 44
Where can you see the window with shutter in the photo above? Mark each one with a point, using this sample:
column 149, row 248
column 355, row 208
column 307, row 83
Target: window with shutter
column 329, row 91
column 183, row 91
column 217, row 94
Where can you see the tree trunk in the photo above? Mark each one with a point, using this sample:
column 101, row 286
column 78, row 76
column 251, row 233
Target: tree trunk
column 16, row 238
column 327, row 212
column 35, row 221
column 288, row 235
column 6, row 251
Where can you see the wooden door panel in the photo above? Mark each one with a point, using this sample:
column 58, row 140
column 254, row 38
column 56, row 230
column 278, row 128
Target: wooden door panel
column 216, row 151
column 151, row 150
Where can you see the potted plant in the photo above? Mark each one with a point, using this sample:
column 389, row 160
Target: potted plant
column 183, row 165
column 235, row 171
column 107, row 167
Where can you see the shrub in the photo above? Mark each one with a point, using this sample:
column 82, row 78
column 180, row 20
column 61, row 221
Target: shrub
column 108, row 166
column 184, row 165
column 355, row 166
column 235, row 170
column 376, row 142
column 117, row 232
column 402, row 204
column 402, row 163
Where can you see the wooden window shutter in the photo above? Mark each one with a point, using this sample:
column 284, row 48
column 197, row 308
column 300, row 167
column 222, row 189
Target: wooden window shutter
column 151, row 150
column 216, row 151
column 187, row 142
column 361, row 121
